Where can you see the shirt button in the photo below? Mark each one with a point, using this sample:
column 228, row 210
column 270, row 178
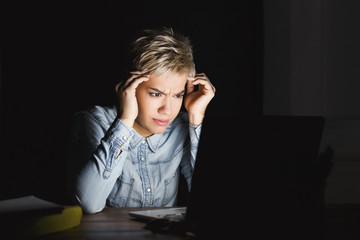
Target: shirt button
column 142, row 159
column 143, row 141
column 148, row 189
column 124, row 138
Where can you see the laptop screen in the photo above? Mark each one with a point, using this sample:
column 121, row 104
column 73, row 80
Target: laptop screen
column 259, row 170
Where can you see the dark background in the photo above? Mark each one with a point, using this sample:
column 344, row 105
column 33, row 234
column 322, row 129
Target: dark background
column 58, row 57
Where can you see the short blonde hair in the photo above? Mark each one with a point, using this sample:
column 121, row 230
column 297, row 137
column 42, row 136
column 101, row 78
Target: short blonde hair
column 163, row 51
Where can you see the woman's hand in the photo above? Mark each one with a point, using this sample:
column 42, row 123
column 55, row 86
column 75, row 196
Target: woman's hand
column 196, row 102
column 126, row 92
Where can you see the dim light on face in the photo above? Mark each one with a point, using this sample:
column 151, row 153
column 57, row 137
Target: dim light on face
column 159, row 102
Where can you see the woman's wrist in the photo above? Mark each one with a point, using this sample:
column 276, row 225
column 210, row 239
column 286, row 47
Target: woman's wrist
column 196, row 119
column 128, row 122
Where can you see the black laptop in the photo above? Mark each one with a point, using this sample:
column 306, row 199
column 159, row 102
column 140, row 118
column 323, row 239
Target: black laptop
column 255, row 177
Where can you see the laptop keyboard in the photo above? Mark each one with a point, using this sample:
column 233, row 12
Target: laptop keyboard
column 174, row 216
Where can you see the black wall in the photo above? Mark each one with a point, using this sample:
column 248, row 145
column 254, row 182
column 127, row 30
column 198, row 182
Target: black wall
column 60, row 57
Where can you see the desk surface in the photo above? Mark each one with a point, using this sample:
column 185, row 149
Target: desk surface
column 111, row 223
column 341, row 222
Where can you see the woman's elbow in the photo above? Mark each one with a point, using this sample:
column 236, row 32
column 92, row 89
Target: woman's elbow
column 90, row 207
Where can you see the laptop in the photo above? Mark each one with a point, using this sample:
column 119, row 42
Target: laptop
column 254, row 177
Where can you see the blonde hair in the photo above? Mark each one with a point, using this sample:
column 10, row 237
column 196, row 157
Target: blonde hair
column 163, row 51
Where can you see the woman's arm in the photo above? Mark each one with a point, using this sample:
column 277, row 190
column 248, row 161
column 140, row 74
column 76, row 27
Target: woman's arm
column 196, row 102
column 96, row 159
column 101, row 155
column 188, row 161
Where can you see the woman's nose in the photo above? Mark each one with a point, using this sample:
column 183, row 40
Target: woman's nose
column 166, row 107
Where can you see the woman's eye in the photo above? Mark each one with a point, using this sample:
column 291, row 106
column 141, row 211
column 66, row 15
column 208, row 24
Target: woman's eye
column 155, row 94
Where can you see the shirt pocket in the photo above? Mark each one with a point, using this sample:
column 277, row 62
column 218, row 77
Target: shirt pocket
column 123, row 191
column 170, row 189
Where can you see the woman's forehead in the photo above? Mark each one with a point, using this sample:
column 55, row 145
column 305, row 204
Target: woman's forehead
column 168, row 81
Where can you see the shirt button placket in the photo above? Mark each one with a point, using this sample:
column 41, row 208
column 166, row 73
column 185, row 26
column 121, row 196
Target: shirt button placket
column 144, row 173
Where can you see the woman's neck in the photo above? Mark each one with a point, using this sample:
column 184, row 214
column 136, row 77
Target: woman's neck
column 142, row 131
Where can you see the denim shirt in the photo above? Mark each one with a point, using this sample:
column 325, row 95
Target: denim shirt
column 112, row 165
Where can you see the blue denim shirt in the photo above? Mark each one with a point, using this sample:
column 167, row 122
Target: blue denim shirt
column 111, row 164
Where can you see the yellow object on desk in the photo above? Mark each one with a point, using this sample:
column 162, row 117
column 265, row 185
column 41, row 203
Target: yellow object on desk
column 29, row 217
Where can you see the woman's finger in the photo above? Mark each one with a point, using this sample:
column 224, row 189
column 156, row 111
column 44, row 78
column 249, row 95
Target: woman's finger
column 136, row 81
column 139, row 72
column 190, row 86
column 133, row 78
column 204, row 83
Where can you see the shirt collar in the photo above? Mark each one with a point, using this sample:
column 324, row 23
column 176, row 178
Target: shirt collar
column 153, row 140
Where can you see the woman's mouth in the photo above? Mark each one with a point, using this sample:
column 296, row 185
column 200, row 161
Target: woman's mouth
column 161, row 122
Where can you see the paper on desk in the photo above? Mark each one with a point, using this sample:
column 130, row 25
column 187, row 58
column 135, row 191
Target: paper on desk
column 27, row 203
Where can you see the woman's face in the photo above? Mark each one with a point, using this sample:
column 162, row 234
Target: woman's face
column 159, row 101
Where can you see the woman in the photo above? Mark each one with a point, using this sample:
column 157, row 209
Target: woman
column 131, row 155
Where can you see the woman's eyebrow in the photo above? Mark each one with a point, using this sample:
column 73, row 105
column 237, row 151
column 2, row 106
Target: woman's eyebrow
column 159, row 91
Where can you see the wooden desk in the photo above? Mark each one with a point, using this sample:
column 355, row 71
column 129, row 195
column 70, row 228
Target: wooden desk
column 342, row 222
column 111, row 223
